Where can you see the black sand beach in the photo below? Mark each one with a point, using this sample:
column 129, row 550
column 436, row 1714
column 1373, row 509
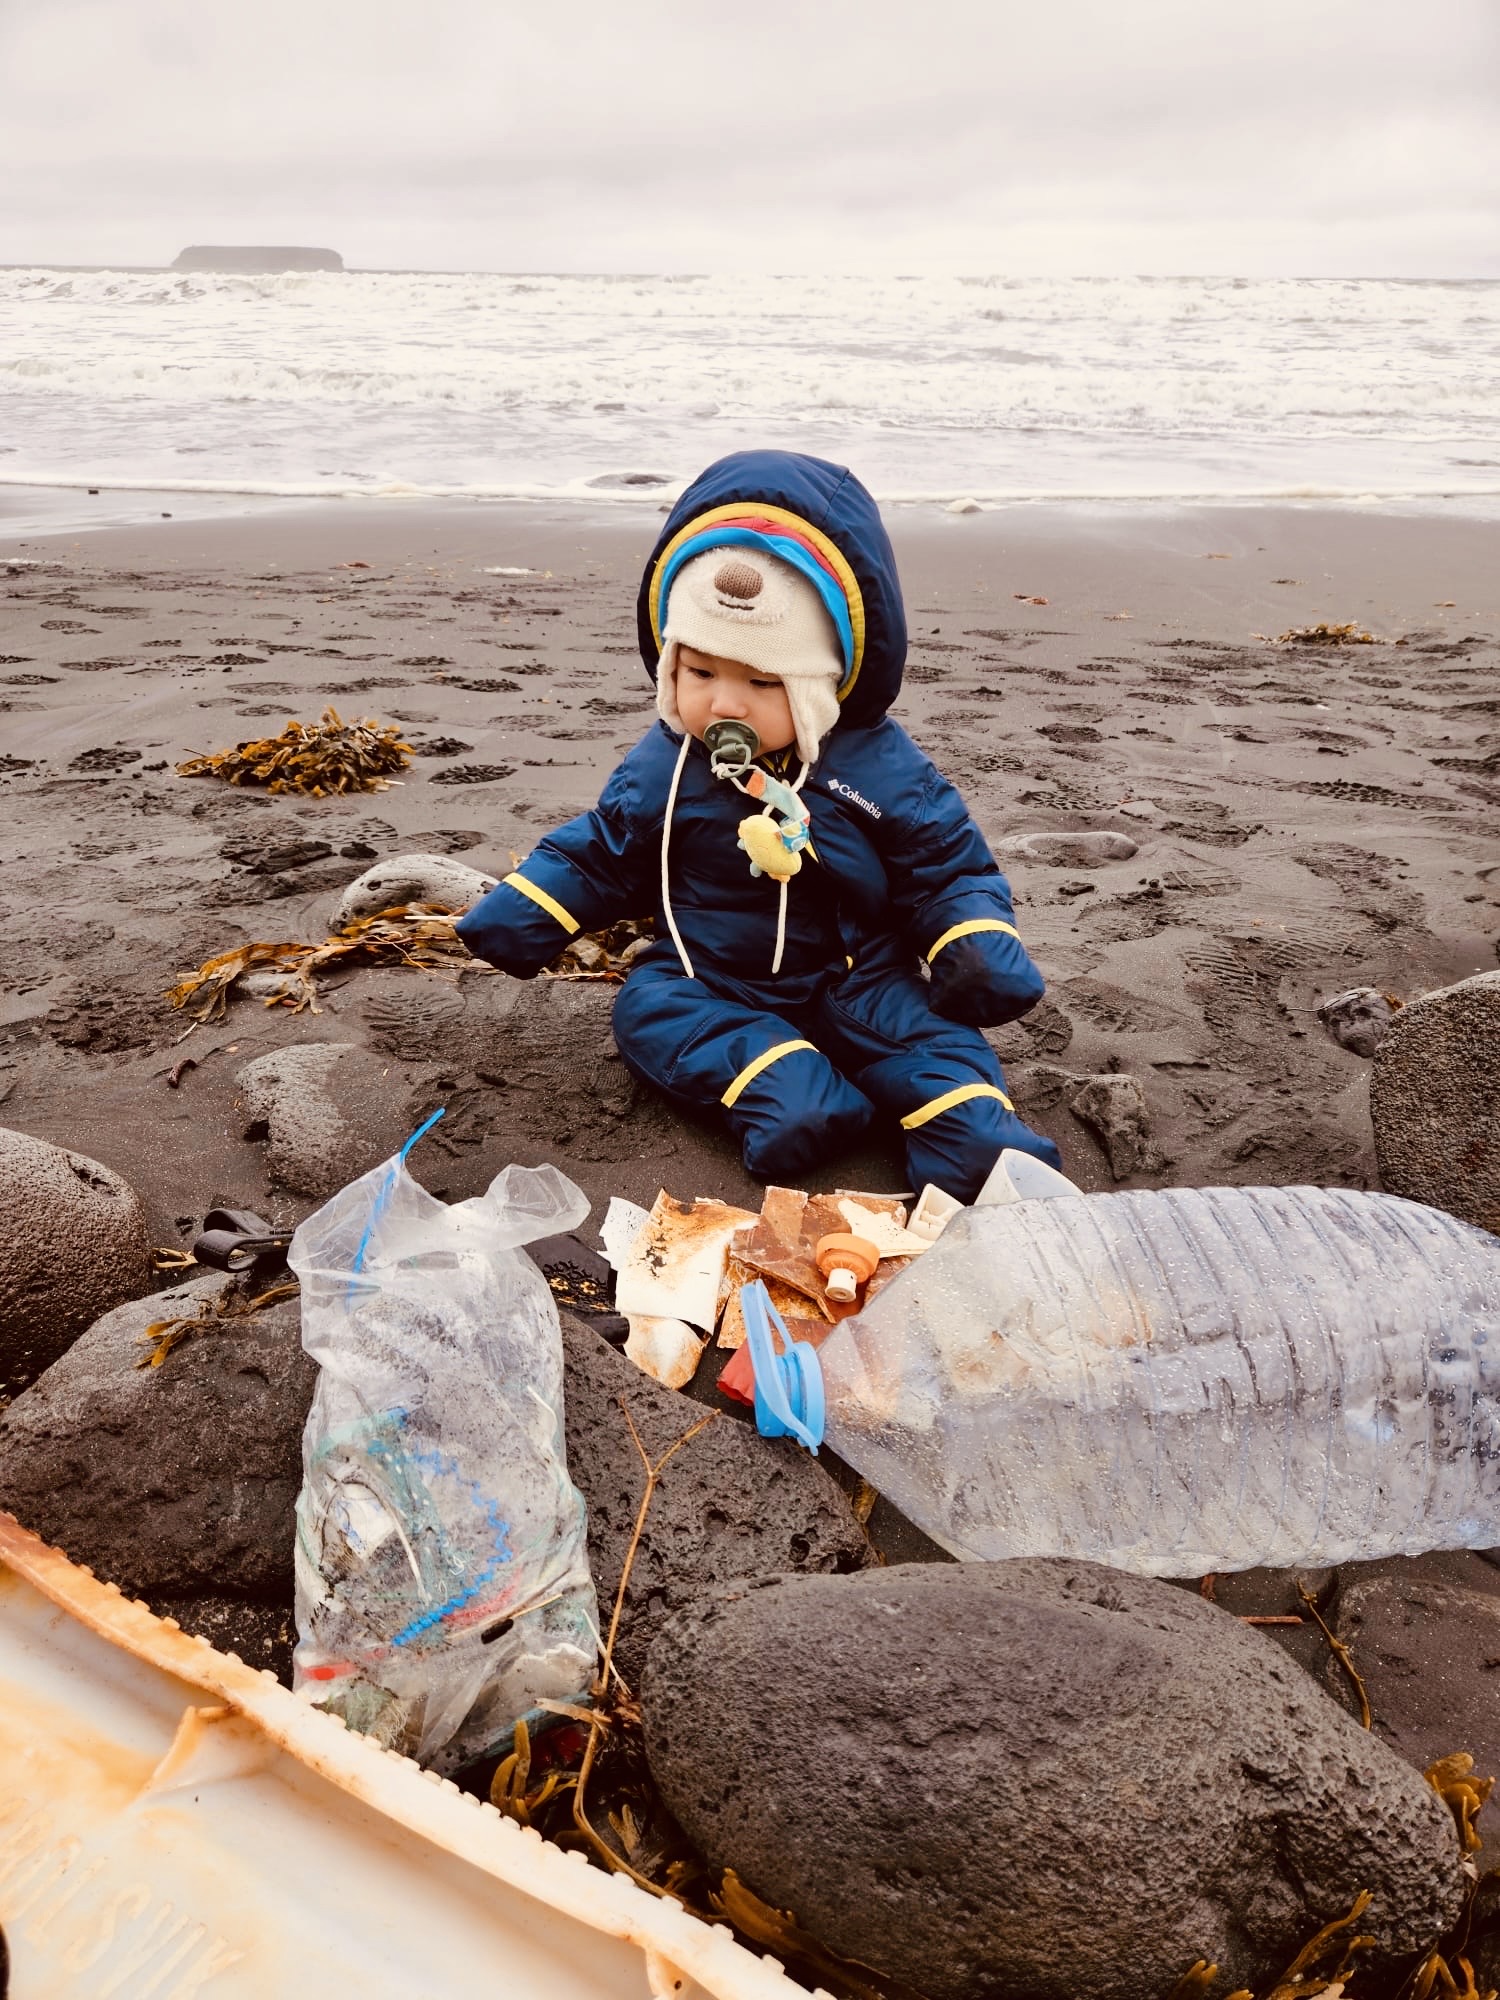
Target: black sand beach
column 1308, row 818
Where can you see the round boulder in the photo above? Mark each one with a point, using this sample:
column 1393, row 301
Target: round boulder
column 1435, row 1101
column 1358, row 1020
column 1035, row 1777
column 328, row 1111
column 1068, row 850
column 730, row 1501
column 178, row 1479
column 72, row 1246
column 412, row 878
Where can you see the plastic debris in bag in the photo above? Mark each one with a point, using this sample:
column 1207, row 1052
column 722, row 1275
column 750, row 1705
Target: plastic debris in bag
column 1171, row 1381
column 441, row 1565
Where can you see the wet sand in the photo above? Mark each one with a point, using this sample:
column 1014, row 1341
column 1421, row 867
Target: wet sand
column 1307, row 820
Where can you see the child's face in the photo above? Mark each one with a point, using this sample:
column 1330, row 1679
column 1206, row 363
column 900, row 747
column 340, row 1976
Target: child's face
column 713, row 690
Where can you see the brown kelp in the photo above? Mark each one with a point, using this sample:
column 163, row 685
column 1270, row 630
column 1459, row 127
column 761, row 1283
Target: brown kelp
column 329, row 755
column 1328, row 635
column 164, row 1334
column 418, row 935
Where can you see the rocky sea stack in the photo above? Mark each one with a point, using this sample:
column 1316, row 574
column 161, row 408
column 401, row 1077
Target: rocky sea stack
column 256, row 258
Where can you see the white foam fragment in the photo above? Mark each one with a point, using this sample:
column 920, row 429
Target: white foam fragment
column 623, row 1222
column 665, row 1349
column 888, row 1236
column 676, row 1261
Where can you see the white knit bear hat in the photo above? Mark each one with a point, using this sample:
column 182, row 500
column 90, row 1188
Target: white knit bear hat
column 743, row 604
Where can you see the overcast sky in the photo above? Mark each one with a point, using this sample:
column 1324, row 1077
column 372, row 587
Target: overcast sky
column 1031, row 136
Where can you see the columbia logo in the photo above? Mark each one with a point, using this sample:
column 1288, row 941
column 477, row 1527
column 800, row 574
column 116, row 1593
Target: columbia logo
column 855, row 798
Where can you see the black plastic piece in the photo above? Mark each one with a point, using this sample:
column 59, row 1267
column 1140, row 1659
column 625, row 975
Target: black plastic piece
column 235, row 1239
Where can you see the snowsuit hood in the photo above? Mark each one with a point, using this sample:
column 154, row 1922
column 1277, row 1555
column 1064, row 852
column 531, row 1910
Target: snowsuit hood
column 818, row 517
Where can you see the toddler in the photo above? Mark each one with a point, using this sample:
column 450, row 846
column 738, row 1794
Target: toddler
column 833, row 930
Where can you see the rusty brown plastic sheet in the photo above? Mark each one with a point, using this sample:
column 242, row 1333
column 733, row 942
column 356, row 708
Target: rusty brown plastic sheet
column 175, row 1823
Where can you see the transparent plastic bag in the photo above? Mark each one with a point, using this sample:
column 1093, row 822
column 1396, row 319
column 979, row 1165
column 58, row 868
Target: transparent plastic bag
column 1176, row 1381
column 441, row 1565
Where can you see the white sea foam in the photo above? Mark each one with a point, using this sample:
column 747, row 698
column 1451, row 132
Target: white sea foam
column 619, row 389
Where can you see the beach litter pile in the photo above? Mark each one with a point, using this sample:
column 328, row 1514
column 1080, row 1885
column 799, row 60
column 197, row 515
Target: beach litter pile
column 675, row 1781
column 835, row 1757
column 681, row 1269
column 443, row 1586
column 314, row 758
column 1105, row 1378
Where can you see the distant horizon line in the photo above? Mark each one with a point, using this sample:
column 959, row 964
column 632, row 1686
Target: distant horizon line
column 688, row 277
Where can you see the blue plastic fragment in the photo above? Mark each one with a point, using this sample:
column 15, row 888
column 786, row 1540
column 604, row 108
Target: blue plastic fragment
column 788, row 1386
column 421, row 1132
column 390, row 1181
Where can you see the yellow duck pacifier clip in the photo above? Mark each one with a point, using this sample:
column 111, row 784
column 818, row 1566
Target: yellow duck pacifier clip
column 773, row 839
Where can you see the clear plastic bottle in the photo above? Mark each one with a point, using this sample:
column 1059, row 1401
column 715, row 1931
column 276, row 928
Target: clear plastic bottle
column 1184, row 1380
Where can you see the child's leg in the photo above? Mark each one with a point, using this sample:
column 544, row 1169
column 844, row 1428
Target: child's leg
column 941, row 1079
column 783, row 1100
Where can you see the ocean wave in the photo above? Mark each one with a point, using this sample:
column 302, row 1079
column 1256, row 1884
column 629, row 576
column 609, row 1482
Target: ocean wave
column 1147, row 399
column 593, row 493
column 312, row 384
column 1198, row 357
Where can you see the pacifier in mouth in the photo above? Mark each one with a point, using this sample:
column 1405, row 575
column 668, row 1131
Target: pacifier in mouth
column 732, row 748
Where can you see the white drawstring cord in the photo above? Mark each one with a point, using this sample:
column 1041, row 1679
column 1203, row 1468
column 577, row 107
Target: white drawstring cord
column 666, row 838
column 780, row 928
column 666, row 891
column 785, row 885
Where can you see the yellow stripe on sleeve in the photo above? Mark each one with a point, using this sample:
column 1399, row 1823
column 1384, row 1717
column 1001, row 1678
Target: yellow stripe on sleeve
column 752, row 1070
column 936, row 1106
column 968, row 930
column 543, row 901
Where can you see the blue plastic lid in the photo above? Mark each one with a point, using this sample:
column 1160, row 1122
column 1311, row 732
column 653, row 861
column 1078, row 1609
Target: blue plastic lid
column 788, row 1386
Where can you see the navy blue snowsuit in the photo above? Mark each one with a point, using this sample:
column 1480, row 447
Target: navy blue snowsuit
column 898, row 881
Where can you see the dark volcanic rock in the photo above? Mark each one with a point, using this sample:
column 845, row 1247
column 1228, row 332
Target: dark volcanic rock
column 1435, row 1101
column 1034, row 1778
column 1358, row 1020
column 730, row 1504
column 328, row 1111
column 177, row 1481
column 1429, row 1655
column 1114, row 1109
column 72, row 1245
column 260, row 1634
column 534, row 1058
column 1113, row 1106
